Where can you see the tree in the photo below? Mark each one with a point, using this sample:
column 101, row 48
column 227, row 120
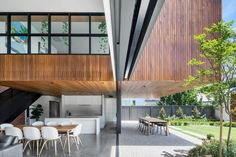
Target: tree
column 180, row 113
column 195, row 112
column 184, row 98
column 216, row 68
column 162, row 113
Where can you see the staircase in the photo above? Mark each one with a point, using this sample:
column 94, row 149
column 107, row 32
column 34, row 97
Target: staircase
column 13, row 102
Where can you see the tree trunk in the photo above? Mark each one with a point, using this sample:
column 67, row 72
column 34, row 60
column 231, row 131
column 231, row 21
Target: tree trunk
column 221, row 131
column 229, row 131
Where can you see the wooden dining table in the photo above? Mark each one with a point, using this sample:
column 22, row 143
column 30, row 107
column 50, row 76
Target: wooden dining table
column 151, row 120
column 61, row 130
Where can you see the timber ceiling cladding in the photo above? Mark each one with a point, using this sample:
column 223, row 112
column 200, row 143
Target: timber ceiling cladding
column 57, row 88
column 151, row 89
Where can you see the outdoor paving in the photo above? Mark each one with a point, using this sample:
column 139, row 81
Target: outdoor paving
column 134, row 144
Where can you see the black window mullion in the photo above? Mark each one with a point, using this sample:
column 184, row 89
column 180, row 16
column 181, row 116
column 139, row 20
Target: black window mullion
column 69, row 33
column 8, row 34
column 49, row 33
column 29, row 32
column 90, row 34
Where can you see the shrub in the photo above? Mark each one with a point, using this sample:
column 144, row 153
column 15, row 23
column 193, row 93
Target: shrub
column 196, row 114
column 210, row 136
column 211, row 123
column 234, row 124
column 186, row 123
column 211, row 148
column 162, row 113
column 179, row 123
column 180, row 113
column 226, row 124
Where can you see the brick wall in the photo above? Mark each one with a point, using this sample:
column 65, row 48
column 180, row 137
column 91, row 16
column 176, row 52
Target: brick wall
column 19, row 120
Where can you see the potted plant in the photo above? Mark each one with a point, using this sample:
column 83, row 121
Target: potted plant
column 36, row 111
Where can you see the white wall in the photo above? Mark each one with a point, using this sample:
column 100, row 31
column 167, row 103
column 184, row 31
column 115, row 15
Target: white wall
column 110, row 109
column 225, row 115
column 44, row 101
column 51, row 6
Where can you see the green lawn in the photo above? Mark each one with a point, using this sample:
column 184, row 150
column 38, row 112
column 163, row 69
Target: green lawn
column 206, row 129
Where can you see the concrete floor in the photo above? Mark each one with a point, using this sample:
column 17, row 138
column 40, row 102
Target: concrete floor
column 131, row 144
column 93, row 146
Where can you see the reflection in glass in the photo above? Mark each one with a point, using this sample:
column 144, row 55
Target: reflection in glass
column 59, row 45
column 79, row 45
column 99, row 45
column 60, row 24
column 98, row 25
column 39, row 24
column 3, row 24
column 3, row 44
column 19, row 44
column 79, row 24
column 19, row 25
column 39, row 45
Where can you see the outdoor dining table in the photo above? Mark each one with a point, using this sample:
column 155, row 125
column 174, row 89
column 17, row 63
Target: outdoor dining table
column 61, row 130
column 155, row 120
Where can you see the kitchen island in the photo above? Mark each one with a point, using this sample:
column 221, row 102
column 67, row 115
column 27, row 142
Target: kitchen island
column 90, row 125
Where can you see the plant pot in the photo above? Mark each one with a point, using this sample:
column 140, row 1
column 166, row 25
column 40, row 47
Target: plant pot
column 31, row 121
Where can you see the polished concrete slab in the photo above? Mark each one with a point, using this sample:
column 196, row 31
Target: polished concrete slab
column 93, row 146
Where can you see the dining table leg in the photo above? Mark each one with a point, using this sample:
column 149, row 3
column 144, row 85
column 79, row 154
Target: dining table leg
column 68, row 140
column 148, row 128
column 166, row 129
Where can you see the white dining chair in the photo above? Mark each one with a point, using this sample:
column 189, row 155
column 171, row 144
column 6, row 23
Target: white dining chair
column 66, row 123
column 50, row 134
column 14, row 131
column 38, row 123
column 52, row 123
column 32, row 134
column 4, row 125
column 75, row 136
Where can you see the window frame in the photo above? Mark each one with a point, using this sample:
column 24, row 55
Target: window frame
column 8, row 34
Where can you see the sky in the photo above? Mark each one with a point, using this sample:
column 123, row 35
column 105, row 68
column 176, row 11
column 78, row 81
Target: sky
column 229, row 11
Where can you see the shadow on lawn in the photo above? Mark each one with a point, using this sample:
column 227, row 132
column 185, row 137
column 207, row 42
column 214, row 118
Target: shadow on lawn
column 178, row 153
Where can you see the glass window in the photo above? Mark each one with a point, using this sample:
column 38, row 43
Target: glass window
column 99, row 45
column 3, row 44
column 79, row 24
column 98, row 25
column 79, row 45
column 59, row 24
column 59, row 45
column 3, row 24
column 19, row 44
column 19, row 24
column 39, row 45
column 39, row 24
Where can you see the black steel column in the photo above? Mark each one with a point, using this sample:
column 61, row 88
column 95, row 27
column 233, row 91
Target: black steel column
column 118, row 106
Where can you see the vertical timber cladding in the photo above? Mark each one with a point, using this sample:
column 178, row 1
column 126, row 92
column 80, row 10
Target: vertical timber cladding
column 171, row 44
column 55, row 67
